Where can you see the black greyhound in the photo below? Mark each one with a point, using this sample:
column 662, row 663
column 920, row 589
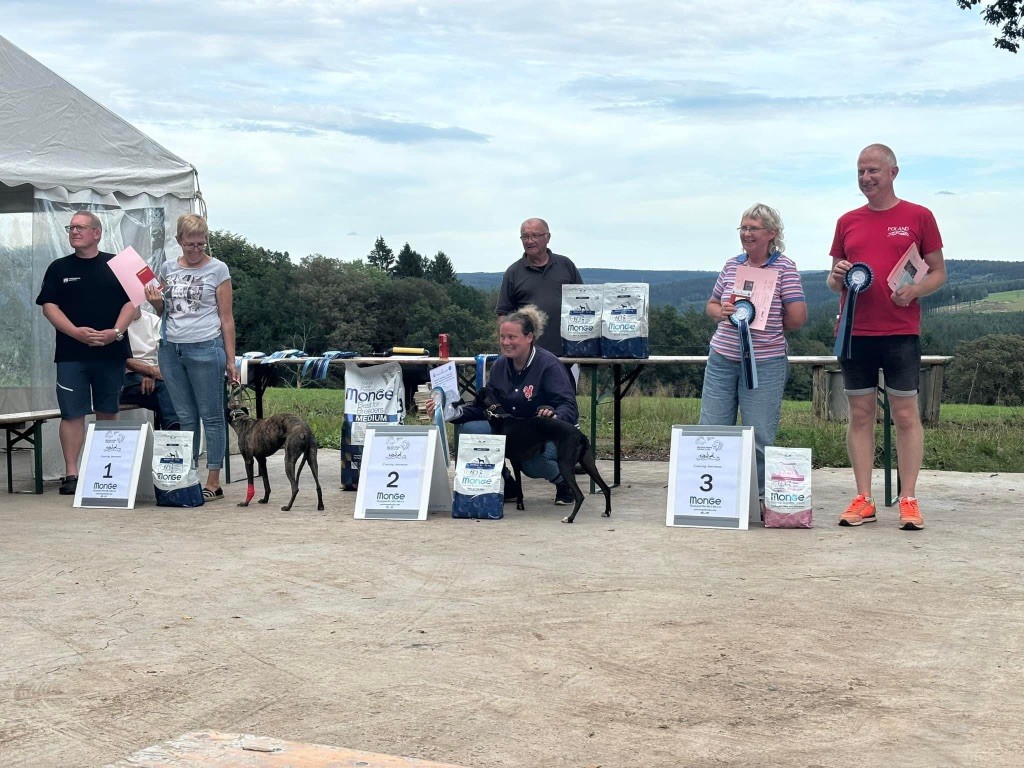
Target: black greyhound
column 525, row 437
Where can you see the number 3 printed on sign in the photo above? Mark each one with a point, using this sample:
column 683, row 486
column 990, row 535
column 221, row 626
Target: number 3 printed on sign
column 708, row 485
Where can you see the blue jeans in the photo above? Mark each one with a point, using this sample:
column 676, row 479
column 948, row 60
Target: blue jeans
column 543, row 464
column 194, row 375
column 725, row 392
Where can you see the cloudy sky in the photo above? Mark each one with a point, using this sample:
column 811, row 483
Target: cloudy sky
column 640, row 130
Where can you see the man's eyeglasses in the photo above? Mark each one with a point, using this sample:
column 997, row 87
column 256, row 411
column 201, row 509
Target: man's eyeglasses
column 193, row 246
column 541, row 236
column 750, row 230
column 78, row 228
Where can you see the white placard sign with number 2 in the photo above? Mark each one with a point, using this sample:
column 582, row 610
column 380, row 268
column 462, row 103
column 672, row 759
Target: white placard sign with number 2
column 402, row 475
column 712, row 477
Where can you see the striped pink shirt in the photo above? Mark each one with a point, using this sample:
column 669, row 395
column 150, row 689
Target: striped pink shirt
column 771, row 342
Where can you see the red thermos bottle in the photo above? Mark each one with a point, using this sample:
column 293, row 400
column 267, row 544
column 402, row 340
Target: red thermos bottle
column 442, row 346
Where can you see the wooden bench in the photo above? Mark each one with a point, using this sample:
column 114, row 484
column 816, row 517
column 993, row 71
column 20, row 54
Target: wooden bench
column 27, row 427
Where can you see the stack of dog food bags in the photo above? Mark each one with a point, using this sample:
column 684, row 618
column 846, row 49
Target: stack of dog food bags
column 581, row 320
column 624, row 321
column 479, row 492
column 787, row 488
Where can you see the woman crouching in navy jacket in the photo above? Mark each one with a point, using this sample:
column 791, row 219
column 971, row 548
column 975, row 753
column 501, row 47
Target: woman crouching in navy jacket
column 528, row 381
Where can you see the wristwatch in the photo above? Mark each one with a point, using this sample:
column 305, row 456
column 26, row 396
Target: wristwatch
column 118, row 334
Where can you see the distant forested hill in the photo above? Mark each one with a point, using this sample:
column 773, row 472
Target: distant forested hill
column 968, row 282
column 488, row 280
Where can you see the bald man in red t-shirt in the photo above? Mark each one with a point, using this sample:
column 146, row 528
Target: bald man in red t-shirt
column 887, row 328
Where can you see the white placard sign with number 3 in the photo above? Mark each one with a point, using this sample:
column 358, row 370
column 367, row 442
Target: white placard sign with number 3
column 712, row 477
column 402, row 475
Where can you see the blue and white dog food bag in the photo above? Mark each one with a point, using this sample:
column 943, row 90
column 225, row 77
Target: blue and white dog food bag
column 582, row 306
column 624, row 322
column 175, row 479
column 479, row 489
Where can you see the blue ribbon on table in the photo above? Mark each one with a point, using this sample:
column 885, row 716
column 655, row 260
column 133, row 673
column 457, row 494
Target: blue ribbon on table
column 741, row 317
column 857, row 280
column 318, row 367
column 440, row 400
column 481, row 369
column 286, row 353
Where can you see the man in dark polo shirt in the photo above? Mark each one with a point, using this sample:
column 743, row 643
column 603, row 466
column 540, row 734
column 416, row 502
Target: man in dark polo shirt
column 91, row 312
column 537, row 278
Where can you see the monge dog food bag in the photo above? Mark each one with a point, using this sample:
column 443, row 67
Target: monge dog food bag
column 175, row 480
column 373, row 395
column 624, row 321
column 787, row 487
column 581, row 320
column 479, row 490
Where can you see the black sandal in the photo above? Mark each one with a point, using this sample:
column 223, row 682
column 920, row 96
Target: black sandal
column 209, row 495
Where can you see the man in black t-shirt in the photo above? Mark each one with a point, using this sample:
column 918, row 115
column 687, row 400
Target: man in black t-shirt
column 85, row 303
column 537, row 278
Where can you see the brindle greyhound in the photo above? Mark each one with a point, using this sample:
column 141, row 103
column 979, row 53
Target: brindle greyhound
column 525, row 437
column 260, row 438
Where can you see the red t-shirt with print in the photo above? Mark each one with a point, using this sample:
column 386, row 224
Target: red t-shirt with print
column 879, row 239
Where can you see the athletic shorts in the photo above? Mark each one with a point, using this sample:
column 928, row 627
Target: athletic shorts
column 87, row 385
column 899, row 357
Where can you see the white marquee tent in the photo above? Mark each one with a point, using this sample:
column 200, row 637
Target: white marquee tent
column 60, row 151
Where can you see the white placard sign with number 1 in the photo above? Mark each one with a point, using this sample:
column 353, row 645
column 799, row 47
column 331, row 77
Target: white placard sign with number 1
column 403, row 474
column 712, row 477
column 111, row 461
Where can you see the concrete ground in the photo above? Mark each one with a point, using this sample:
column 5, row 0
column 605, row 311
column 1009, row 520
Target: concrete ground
column 520, row 642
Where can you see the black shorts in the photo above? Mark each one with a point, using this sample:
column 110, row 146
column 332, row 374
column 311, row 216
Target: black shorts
column 88, row 386
column 899, row 357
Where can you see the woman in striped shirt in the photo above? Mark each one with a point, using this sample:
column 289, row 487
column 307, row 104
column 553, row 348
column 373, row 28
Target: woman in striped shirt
column 725, row 390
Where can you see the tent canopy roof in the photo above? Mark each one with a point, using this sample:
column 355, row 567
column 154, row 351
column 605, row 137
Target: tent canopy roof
column 53, row 135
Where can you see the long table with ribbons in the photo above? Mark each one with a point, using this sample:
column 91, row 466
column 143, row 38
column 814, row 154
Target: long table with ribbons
column 622, row 375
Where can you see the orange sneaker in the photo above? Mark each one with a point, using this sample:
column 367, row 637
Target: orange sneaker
column 910, row 515
column 861, row 510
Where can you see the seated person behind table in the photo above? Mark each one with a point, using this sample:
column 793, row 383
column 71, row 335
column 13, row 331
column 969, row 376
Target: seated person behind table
column 143, row 383
column 528, row 381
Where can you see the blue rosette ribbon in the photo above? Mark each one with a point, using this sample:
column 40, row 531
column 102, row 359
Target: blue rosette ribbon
column 741, row 317
column 857, row 280
column 440, row 401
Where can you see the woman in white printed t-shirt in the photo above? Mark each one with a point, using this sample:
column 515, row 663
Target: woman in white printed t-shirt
column 197, row 346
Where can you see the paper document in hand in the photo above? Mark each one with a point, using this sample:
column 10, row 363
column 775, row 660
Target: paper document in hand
column 446, row 378
column 909, row 270
column 133, row 273
column 759, row 286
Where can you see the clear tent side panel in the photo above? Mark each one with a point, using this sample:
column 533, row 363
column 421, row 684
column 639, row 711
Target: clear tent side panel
column 32, row 235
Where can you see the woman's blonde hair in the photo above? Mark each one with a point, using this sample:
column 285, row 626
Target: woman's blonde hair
column 530, row 318
column 770, row 219
column 192, row 224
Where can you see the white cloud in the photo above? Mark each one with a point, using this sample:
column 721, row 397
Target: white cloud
column 639, row 130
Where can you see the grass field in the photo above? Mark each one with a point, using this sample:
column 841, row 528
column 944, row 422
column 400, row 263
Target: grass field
column 970, row 438
column 1004, row 301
